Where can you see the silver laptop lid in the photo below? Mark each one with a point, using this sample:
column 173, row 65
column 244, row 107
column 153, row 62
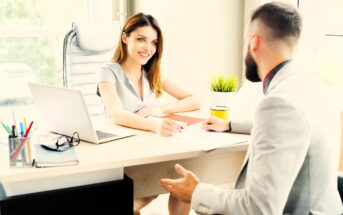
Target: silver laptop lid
column 63, row 110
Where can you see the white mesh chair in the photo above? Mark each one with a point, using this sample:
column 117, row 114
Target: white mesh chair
column 88, row 47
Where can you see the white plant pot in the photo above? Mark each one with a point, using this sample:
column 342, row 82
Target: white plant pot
column 223, row 98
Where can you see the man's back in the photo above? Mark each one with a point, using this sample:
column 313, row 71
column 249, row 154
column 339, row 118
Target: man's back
column 307, row 142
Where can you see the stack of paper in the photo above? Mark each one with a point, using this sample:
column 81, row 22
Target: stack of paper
column 208, row 140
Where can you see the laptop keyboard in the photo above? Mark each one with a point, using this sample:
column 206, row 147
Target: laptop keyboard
column 103, row 135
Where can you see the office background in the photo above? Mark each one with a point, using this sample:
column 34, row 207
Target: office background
column 202, row 38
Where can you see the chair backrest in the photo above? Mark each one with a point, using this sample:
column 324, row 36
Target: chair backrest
column 88, row 47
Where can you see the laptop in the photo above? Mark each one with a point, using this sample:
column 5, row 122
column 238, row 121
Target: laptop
column 64, row 111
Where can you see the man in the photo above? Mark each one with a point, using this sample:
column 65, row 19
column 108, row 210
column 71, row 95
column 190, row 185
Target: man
column 292, row 161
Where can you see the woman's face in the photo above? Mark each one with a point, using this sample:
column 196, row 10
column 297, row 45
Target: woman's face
column 141, row 44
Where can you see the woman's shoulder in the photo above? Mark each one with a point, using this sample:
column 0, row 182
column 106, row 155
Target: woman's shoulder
column 113, row 68
column 110, row 72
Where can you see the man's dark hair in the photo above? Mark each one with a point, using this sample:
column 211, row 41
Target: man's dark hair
column 283, row 20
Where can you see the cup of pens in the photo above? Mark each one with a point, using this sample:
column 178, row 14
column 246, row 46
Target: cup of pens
column 19, row 151
column 19, row 146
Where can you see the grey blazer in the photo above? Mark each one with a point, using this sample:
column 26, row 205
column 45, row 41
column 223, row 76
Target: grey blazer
column 292, row 161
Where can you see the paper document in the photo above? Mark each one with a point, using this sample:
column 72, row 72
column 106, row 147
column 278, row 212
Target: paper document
column 208, row 140
column 186, row 119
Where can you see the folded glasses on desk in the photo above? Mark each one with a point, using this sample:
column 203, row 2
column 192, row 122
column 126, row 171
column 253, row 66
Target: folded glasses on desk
column 63, row 143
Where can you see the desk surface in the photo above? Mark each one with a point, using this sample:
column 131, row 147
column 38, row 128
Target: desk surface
column 144, row 148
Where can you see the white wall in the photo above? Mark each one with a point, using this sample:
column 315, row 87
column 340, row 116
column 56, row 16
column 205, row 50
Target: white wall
column 202, row 38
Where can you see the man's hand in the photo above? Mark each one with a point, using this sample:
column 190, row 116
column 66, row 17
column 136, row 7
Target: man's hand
column 215, row 124
column 181, row 188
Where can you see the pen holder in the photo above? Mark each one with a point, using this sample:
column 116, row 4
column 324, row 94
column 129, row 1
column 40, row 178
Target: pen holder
column 19, row 151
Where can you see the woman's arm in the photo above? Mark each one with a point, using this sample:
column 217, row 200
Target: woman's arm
column 122, row 117
column 186, row 101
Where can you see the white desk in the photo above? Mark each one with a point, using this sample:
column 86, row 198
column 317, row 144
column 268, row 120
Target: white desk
column 146, row 158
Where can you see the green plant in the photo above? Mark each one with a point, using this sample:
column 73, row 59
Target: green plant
column 221, row 83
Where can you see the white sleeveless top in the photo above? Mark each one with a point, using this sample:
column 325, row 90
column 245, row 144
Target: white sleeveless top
column 127, row 93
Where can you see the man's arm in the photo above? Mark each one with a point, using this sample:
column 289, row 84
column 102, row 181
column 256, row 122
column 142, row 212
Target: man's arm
column 217, row 124
column 242, row 127
column 280, row 140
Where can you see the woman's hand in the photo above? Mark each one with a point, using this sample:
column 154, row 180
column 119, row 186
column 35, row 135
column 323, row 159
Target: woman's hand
column 167, row 127
column 215, row 124
column 151, row 110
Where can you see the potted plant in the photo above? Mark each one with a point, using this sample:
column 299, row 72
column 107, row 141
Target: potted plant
column 223, row 90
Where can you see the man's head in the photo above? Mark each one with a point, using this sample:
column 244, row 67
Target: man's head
column 274, row 27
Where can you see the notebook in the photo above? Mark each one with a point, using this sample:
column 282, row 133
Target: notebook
column 45, row 158
column 64, row 111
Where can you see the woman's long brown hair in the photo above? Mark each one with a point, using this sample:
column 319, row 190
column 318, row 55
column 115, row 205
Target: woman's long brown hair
column 153, row 66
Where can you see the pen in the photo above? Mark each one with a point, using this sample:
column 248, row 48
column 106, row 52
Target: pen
column 28, row 143
column 28, row 130
column 14, row 128
column 17, row 151
column 14, row 131
column 25, row 123
column 6, row 128
column 22, row 131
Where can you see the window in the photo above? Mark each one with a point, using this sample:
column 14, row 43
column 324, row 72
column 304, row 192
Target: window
column 324, row 40
column 31, row 40
column 324, row 37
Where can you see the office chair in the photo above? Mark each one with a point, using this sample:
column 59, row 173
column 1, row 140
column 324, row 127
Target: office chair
column 340, row 185
column 87, row 48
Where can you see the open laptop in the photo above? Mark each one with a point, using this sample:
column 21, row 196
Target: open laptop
column 64, row 111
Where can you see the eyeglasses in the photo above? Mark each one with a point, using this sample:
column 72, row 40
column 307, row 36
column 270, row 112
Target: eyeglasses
column 63, row 143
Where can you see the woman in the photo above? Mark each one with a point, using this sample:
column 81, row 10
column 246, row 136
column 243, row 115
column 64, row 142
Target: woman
column 133, row 80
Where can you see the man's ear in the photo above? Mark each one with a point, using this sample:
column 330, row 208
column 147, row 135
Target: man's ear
column 255, row 42
column 124, row 37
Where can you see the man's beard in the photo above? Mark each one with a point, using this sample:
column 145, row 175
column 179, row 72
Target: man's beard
column 251, row 68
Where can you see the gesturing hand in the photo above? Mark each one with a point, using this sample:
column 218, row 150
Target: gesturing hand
column 181, row 188
column 215, row 124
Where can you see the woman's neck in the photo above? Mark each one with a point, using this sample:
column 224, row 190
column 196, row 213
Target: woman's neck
column 131, row 68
